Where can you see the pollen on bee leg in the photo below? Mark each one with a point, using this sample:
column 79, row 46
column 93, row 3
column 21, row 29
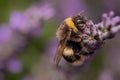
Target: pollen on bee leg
column 68, row 52
column 70, row 24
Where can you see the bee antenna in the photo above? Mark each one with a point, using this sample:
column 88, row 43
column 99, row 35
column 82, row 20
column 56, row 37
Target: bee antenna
column 81, row 12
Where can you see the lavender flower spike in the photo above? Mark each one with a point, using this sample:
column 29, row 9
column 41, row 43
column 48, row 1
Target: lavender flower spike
column 30, row 21
column 100, row 32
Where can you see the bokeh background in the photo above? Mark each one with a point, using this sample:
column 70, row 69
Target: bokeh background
column 28, row 42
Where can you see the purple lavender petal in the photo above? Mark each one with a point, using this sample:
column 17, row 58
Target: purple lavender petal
column 17, row 20
column 36, row 11
column 30, row 21
column 114, row 30
column 26, row 25
column 14, row 65
column 109, row 25
column 104, row 16
column 33, row 12
column 106, row 75
column 87, row 30
column 5, row 34
column 111, row 14
column 9, row 41
column 104, row 35
column 48, row 11
column 115, row 20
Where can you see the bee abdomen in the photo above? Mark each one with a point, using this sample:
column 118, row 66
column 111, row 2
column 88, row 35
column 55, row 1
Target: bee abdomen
column 71, row 58
column 75, row 60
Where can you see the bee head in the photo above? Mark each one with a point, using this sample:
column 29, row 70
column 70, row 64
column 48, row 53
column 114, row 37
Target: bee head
column 76, row 23
column 80, row 21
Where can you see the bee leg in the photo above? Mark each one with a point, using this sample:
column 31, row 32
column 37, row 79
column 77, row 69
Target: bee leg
column 61, row 47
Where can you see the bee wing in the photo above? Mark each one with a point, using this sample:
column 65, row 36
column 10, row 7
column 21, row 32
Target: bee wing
column 61, row 47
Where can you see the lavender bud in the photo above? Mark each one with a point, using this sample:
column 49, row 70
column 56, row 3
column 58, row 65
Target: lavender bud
column 14, row 65
column 87, row 30
column 104, row 16
column 106, row 75
column 17, row 20
column 116, row 21
column 114, row 30
column 104, row 35
column 111, row 14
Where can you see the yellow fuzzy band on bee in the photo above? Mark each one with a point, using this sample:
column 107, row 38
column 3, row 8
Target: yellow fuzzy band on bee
column 71, row 24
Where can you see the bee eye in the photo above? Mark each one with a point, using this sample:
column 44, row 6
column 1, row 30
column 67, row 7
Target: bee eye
column 78, row 21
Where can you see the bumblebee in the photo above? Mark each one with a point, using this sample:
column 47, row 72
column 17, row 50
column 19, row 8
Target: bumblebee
column 70, row 45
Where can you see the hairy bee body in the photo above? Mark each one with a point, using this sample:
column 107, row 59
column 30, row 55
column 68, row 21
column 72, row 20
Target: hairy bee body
column 71, row 48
